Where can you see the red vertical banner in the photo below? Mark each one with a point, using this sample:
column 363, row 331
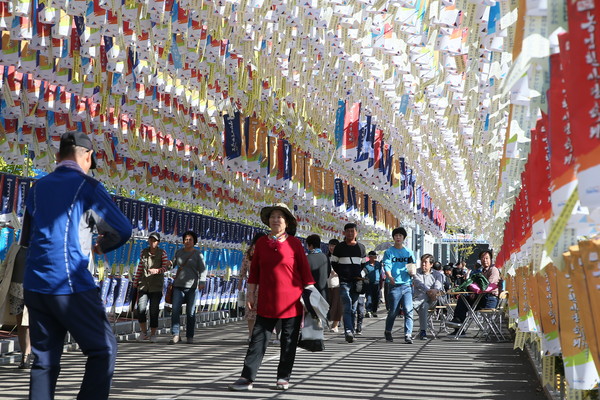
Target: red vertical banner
column 583, row 93
column 539, row 181
column 350, row 141
column 377, row 149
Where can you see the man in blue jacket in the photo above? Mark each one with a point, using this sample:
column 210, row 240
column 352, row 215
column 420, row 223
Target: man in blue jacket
column 63, row 208
column 394, row 262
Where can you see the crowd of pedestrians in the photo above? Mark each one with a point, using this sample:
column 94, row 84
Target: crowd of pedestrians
column 355, row 284
column 53, row 283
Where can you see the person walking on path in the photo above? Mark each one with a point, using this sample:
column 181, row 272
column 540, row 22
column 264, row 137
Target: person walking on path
column 333, row 293
column 149, row 279
column 250, row 315
column 375, row 276
column 280, row 268
column 348, row 260
column 319, row 264
column 395, row 261
column 62, row 210
column 191, row 274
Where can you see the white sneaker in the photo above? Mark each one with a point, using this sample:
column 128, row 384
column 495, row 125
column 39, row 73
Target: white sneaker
column 240, row 385
column 143, row 337
column 282, row 384
column 152, row 339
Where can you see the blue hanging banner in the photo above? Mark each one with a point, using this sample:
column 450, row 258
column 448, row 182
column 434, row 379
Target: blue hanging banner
column 339, row 124
column 233, row 136
column 365, row 141
column 338, row 192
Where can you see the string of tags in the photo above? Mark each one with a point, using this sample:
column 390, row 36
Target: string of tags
column 559, row 235
column 548, row 374
column 520, row 339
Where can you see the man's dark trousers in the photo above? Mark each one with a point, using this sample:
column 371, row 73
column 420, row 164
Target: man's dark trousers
column 83, row 315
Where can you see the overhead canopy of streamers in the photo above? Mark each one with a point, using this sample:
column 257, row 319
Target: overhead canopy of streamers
column 380, row 112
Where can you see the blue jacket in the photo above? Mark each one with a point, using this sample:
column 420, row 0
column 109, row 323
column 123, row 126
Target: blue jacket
column 373, row 272
column 62, row 210
column 395, row 260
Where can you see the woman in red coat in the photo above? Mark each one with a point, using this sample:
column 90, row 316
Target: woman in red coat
column 280, row 268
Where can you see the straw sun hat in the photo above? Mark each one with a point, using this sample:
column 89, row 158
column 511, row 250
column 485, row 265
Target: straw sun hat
column 290, row 219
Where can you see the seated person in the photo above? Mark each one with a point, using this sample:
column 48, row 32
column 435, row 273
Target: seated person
column 460, row 273
column 448, row 283
column 428, row 283
column 476, row 268
column 489, row 300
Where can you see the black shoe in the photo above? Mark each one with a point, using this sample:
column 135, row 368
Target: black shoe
column 375, row 315
column 26, row 362
column 359, row 331
column 388, row 336
column 423, row 335
column 408, row 339
column 349, row 337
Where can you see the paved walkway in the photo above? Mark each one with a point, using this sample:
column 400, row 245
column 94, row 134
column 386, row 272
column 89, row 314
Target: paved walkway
column 370, row 368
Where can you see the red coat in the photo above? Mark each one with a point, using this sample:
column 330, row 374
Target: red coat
column 281, row 271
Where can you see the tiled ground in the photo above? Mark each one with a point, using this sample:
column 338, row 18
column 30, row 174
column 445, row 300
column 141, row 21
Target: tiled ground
column 370, row 368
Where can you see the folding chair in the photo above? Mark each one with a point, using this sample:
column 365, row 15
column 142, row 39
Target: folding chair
column 439, row 312
column 444, row 311
column 492, row 319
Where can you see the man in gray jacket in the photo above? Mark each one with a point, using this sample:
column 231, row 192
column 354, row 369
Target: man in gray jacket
column 428, row 284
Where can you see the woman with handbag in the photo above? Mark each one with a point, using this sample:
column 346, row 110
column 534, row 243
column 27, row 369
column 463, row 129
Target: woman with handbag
column 149, row 280
column 191, row 274
column 280, row 268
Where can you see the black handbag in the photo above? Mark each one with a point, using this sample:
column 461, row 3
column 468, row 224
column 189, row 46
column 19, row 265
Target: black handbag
column 360, row 286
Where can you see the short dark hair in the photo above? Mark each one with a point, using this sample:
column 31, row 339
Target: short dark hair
column 427, row 257
column 66, row 151
column 314, row 241
column 372, row 253
column 437, row 266
column 400, row 231
column 448, row 267
column 350, row 225
column 192, row 234
column 334, row 242
column 488, row 252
